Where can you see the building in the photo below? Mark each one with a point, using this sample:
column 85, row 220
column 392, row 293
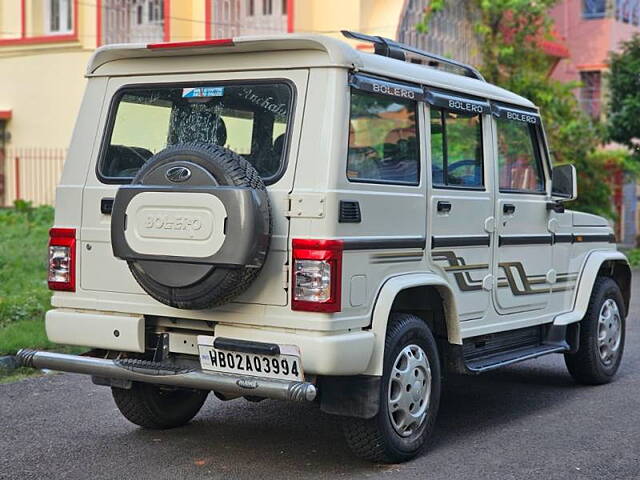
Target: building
column 45, row 45
column 591, row 29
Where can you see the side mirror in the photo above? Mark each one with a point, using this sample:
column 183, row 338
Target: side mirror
column 564, row 184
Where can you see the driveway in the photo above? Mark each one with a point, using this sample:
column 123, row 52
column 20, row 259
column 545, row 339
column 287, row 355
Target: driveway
column 526, row 421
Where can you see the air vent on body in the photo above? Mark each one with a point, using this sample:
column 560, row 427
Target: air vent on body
column 349, row 212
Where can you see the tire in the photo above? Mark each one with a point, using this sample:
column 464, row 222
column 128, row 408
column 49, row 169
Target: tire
column 157, row 408
column 601, row 343
column 378, row 439
column 204, row 286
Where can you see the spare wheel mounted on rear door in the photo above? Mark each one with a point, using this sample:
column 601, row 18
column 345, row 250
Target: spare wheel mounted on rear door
column 194, row 225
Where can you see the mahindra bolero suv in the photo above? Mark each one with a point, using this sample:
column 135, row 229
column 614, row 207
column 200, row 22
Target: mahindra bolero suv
column 291, row 218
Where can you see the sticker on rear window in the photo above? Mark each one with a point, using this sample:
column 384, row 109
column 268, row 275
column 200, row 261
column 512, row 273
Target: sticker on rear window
column 202, row 92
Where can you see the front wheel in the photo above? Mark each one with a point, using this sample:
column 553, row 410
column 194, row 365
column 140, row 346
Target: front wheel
column 602, row 334
column 156, row 407
column 409, row 396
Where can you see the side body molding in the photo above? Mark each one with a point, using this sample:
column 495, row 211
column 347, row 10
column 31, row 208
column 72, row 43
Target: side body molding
column 383, row 305
column 587, row 279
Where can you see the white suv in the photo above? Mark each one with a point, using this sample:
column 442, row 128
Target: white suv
column 288, row 217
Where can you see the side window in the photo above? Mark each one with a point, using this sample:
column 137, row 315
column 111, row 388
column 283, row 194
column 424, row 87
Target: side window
column 383, row 145
column 456, row 149
column 519, row 163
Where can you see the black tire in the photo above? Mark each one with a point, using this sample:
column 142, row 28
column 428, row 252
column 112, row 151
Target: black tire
column 587, row 366
column 158, row 408
column 376, row 439
column 215, row 286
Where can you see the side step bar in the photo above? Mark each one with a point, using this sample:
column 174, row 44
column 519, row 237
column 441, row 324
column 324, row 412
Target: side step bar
column 175, row 376
column 488, row 352
column 492, row 362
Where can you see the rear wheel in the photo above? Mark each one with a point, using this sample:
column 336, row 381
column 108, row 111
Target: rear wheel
column 409, row 396
column 602, row 334
column 156, row 407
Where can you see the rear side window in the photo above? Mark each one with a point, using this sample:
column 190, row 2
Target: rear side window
column 519, row 163
column 383, row 140
column 252, row 120
column 456, row 149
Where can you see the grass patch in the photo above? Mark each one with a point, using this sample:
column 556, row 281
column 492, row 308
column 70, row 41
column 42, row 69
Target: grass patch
column 634, row 257
column 24, row 295
column 17, row 374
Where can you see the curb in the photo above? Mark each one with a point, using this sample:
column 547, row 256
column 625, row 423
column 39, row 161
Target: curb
column 9, row 362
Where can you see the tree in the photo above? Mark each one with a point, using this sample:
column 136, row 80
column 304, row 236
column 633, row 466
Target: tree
column 624, row 96
column 511, row 33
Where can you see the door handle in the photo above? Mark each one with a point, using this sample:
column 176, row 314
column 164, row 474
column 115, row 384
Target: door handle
column 444, row 207
column 509, row 208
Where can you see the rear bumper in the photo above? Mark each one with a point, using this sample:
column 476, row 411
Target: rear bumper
column 322, row 353
column 160, row 374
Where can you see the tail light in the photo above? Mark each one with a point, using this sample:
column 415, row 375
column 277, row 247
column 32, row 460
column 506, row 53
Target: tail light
column 62, row 259
column 317, row 275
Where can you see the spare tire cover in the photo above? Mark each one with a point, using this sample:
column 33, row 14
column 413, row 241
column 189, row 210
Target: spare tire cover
column 194, row 225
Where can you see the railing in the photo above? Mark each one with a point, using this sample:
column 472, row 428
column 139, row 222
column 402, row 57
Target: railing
column 32, row 174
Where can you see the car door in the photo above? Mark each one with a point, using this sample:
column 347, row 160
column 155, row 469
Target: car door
column 523, row 246
column 461, row 198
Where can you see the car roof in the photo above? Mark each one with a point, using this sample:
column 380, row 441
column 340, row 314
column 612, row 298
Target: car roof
column 333, row 53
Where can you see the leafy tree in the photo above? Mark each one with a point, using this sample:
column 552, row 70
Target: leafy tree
column 624, row 96
column 510, row 34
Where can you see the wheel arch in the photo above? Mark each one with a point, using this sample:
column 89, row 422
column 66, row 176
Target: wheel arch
column 417, row 294
column 611, row 264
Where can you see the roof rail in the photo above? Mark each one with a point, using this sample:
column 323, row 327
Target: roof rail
column 390, row 48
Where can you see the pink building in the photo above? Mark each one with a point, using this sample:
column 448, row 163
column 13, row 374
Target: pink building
column 591, row 29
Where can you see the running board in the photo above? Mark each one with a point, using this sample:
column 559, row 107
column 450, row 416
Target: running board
column 491, row 362
column 484, row 353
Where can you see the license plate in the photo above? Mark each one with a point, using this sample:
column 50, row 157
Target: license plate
column 286, row 366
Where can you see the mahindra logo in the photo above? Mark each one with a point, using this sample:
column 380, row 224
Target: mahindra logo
column 178, row 174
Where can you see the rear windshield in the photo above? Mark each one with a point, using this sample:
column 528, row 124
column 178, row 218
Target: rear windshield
column 252, row 120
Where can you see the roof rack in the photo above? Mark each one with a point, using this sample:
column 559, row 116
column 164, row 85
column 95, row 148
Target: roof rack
column 390, row 48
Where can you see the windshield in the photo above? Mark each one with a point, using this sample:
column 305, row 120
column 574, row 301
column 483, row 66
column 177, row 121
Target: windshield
column 252, row 120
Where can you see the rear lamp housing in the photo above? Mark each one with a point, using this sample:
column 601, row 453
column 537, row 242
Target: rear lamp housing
column 316, row 275
column 62, row 259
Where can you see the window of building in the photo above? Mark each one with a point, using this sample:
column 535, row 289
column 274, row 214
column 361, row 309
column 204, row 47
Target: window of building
column 456, row 149
column 59, row 16
column 590, row 92
column 284, row 7
column 251, row 7
column 383, row 145
column 594, row 8
column 519, row 162
column 628, row 11
column 267, row 7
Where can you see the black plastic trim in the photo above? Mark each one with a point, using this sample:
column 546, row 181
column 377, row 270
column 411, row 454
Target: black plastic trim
column 384, row 243
column 544, row 239
column 563, row 238
column 461, row 241
column 389, row 88
column 246, row 346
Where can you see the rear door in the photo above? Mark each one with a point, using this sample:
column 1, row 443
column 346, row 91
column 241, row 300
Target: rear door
column 461, row 209
column 260, row 122
column 523, row 247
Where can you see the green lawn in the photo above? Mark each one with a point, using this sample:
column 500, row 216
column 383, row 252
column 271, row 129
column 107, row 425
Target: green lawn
column 24, row 296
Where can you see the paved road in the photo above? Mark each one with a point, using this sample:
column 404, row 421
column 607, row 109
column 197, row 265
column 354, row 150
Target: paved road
column 528, row 421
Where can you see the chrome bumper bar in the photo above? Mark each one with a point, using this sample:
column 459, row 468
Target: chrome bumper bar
column 150, row 372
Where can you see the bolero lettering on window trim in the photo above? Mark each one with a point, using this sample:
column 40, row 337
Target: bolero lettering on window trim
column 456, row 103
column 511, row 113
column 386, row 87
